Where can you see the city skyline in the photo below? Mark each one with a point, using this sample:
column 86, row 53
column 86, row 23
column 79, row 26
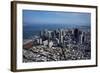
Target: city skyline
column 58, row 45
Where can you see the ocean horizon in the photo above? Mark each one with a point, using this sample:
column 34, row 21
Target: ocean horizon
column 30, row 30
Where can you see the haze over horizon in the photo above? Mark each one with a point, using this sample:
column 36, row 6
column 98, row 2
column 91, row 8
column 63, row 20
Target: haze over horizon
column 32, row 17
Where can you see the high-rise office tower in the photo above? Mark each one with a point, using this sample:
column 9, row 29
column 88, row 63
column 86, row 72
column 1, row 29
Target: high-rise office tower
column 45, row 35
column 45, row 32
column 61, row 37
column 40, row 41
column 76, row 35
column 53, row 35
column 49, row 36
column 82, row 38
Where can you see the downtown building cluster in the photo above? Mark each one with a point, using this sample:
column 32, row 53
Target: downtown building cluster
column 61, row 37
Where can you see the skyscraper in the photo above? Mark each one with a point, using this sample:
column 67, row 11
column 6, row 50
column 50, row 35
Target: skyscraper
column 82, row 38
column 49, row 36
column 61, row 37
column 76, row 34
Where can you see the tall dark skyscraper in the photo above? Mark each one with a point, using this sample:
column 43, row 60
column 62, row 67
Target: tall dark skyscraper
column 76, row 34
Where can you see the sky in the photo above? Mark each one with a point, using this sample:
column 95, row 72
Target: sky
column 32, row 17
